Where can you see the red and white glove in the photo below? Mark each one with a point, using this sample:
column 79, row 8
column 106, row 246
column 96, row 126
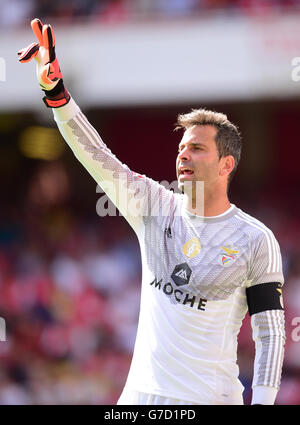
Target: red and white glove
column 47, row 68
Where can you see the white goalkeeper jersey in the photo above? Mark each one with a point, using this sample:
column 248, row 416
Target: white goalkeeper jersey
column 195, row 271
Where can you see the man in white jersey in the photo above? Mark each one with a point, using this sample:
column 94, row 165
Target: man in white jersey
column 204, row 264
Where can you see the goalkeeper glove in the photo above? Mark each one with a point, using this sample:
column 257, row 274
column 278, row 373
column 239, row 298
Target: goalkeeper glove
column 47, row 68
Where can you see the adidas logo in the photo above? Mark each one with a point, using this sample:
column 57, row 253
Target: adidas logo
column 168, row 232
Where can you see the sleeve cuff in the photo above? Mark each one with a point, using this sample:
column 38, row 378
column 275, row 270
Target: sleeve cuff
column 67, row 112
column 263, row 395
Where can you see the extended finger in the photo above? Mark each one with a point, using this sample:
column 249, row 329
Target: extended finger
column 37, row 28
column 49, row 41
column 26, row 54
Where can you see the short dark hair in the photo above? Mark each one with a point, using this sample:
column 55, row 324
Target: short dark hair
column 228, row 138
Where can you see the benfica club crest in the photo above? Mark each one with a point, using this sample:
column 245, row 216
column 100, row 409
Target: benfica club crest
column 228, row 255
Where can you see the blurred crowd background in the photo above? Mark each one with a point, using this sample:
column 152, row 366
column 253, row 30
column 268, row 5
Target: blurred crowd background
column 70, row 279
column 14, row 12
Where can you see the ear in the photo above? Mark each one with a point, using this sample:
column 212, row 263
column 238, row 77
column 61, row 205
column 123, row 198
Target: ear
column 226, row 165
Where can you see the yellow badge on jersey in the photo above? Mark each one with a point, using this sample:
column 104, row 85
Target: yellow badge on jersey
column 228, row 255
column 191, row 248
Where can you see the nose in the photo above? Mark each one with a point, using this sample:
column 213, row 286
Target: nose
column 183, row 155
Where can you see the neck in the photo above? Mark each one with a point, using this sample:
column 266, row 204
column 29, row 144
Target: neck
column 210, row 204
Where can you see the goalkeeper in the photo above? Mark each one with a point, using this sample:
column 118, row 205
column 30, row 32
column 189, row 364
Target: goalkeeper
column 204, row 266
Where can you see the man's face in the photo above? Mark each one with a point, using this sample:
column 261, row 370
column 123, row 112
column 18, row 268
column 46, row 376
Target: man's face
column 198, row 157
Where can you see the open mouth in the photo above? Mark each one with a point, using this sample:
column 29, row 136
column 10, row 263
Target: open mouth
column 185, row 172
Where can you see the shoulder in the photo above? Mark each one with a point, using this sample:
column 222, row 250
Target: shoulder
column 266, row 264
column 255, row 228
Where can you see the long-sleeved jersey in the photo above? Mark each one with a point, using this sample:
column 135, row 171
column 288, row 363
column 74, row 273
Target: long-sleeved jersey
column 196, row 272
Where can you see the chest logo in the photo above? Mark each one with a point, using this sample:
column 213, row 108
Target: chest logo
column 228, row 255
column 191, row 248
column 181, row 274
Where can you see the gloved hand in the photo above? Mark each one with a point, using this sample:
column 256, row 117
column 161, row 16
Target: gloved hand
column 47, row 68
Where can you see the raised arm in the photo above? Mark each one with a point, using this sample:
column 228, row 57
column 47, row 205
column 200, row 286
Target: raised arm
column 132, row 193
